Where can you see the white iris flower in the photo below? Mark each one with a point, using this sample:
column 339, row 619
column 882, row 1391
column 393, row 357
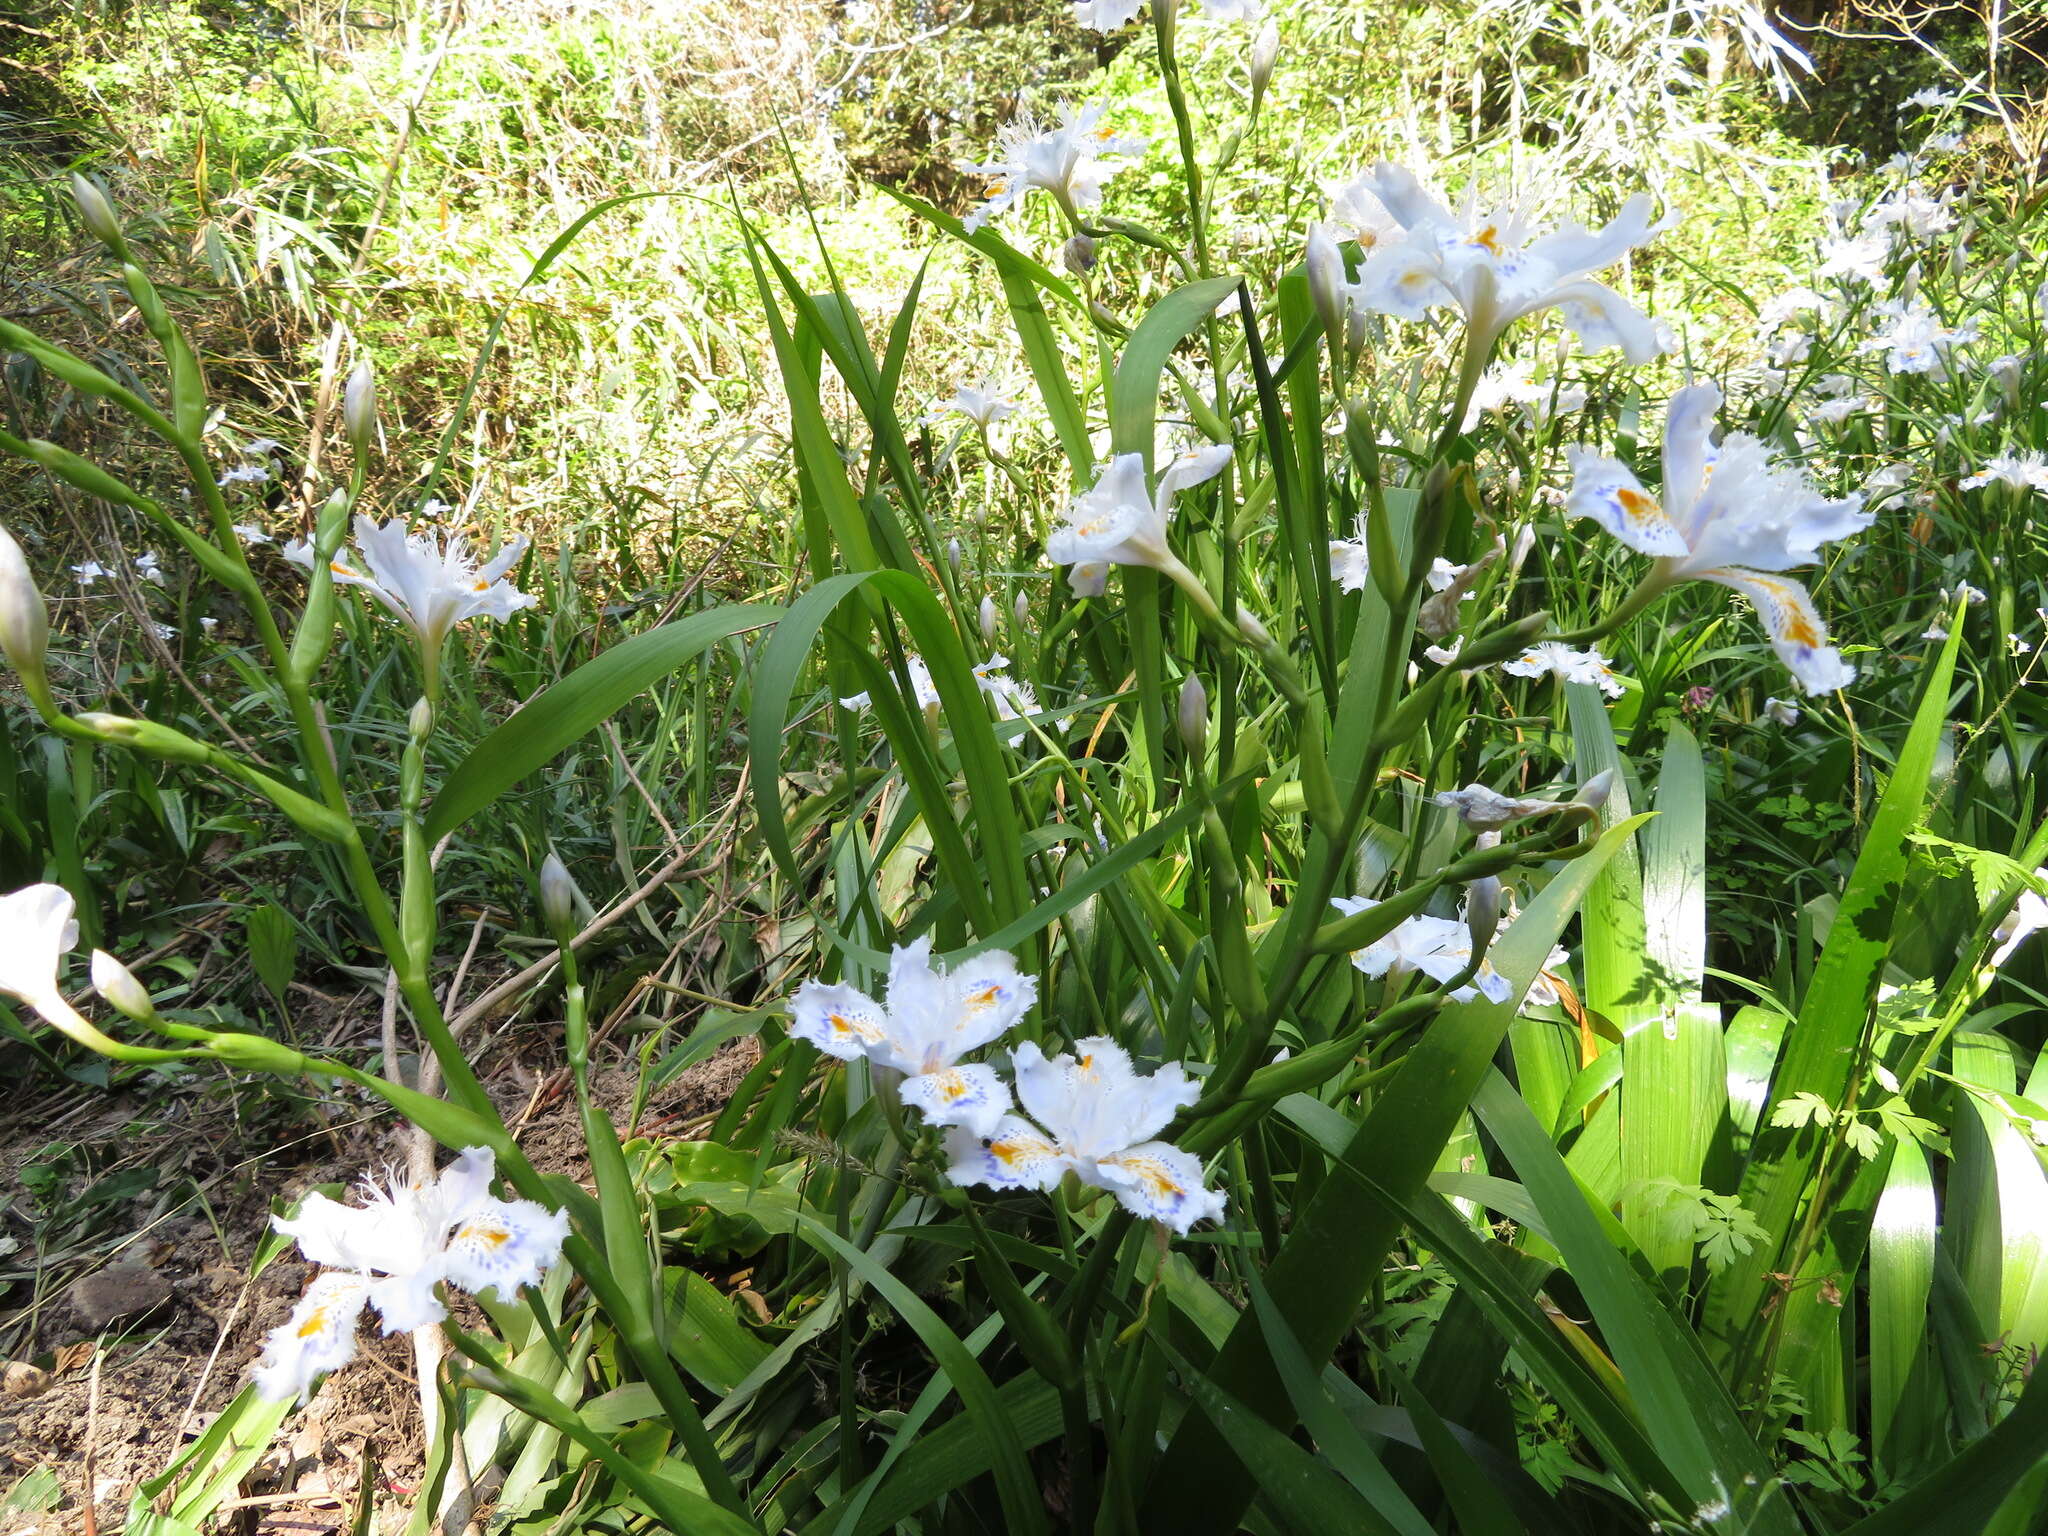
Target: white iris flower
column 2021, row 471
column 1553, row 658
column 1441, row 949
column 391, row 1252
column 1117, row 522
column 1438, row 947
column 429, row 585
column 1915, row 341
column 1495, row 268
column 984, row 407
column 1729, row 515
column 1066, row 161
column 1095, row 1118
column 1106, row 15
column 931, row 1020
column 1350, row 565
column 2029, row 915
column 38, row 928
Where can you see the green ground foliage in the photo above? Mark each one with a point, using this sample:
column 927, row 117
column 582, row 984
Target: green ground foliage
column 1663, row 1156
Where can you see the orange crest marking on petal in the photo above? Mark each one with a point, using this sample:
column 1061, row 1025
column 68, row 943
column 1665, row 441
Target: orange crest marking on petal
column 1638, row 506
column 1488, row 240
column 1159, row 1183
column 497, row 1237
column 315, row 1324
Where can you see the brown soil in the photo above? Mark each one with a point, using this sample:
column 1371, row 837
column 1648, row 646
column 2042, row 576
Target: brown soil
column 105, row 1408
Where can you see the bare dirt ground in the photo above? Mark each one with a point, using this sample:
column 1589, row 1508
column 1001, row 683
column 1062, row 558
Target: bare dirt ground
column 127, row 1316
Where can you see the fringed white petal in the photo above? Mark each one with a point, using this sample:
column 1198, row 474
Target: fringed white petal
column 972, row 1096
column 504, row 1245
column 1160, row 1182
column 319, row 1336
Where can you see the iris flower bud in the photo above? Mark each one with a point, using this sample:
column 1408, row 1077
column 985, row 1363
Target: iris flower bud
column 97, row 214
column 359, row 407
column 24, row 622
column 1193, row 717
column 557, row 895
column 117, row 984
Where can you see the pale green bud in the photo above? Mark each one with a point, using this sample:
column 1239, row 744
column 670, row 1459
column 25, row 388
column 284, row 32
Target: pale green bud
column 1265, row 54
column 359, row 407
column 557, row 895
column 146, row 736
column 1193, row 716
column 24, row 621
column 419, row 724
column 1327, row 283
column 117, row 984
column 97, row 214
column 991, row 620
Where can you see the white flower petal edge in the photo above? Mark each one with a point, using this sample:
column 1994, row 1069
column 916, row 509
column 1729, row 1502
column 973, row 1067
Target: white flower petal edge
column 1065, row 162
column 1553, row 658
column 1485, row 262
column 38, row 928
column 1116, row 522
column 391, row 1253
column 1106, row 15
column 971, row 1096
column 1438, row 947
column 1096, row 1118
column 1729, row 514
column 428, row 585
column 502, row 1246
column 319, row 1336
column 932, row 1019
column 2029, row 915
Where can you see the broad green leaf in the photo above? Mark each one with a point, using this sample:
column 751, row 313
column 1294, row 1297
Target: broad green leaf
column 1685, row 1407
column 546, row 726
column 949, row 1457
column 1998, row 1199
column 1134, row 392
column 678, row 1507
column 991, row 886
column 1820, row 1053
column 1342, row 1235
column 1302, row 1492
column 1902, row 1236
column 1344, row 1447
column 705, row 1334
column 1015, row 1485
column 1962, row 1497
